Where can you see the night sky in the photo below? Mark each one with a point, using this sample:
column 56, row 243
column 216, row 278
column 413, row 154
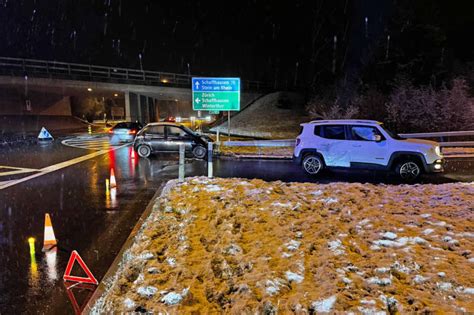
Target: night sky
column 254, row 39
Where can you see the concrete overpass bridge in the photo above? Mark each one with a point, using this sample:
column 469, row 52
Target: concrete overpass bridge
column 144, row 95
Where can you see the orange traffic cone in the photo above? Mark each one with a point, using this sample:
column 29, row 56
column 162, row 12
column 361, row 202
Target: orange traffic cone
column 113, row 182
column 49, row 238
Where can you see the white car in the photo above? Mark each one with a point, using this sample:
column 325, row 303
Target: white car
column 364, row 144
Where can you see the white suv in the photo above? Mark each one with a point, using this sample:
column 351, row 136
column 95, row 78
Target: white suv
column 364, row 144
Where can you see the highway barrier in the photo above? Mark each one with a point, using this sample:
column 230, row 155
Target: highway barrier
column 442, row 138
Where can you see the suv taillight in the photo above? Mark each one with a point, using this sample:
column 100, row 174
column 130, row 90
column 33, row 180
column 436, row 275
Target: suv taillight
column 298, row 141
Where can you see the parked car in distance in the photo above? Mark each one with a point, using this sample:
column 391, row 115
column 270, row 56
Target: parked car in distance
column 124, row 132
column 364, row 144
column 170, row 119
column 166, row 137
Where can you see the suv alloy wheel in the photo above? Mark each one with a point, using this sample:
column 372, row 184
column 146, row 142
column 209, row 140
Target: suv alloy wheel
column 408, row 170
column 312, row 164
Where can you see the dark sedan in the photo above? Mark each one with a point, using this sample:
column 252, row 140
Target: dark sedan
column 166, row 137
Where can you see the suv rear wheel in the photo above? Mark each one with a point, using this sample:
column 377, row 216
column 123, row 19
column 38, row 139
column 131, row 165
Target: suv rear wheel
column 144, row 151
column 312, row 164
column 408, row 170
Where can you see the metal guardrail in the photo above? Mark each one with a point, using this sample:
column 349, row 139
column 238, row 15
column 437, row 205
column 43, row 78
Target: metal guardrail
column 457, row 144
column 76, row 71
column 441, row 136
column 437, row 134
column 291, row 142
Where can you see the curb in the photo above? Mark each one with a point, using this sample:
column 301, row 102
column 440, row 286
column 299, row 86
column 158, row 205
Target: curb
column 102, row 287
column 459, row 156
column 255, row 157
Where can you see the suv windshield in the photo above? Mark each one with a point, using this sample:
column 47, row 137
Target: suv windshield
column 391, row 134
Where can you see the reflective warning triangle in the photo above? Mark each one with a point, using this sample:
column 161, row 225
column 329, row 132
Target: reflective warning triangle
column 81, row 287
column 67, row 274
column 44, row 134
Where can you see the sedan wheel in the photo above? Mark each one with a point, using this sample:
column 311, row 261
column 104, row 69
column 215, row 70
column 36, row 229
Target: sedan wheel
column 199, row 152
column 312, row 164
column 144, row 151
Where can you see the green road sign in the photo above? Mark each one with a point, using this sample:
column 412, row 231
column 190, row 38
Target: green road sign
column 216, row 101
column 216, row 94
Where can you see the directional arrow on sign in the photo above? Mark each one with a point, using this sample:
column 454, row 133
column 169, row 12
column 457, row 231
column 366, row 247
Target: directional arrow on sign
column 197, row 100
column 197, row 85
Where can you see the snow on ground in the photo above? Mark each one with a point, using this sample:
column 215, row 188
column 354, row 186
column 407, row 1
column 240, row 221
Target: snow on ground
column 246, row 247
column 274, row 116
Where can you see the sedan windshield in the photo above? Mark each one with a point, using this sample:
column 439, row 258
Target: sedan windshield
column 189, row 130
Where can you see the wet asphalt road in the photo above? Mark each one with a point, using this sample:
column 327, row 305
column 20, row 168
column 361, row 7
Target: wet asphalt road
column 96, row 222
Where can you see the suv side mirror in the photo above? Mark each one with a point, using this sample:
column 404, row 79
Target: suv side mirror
column 377, row 138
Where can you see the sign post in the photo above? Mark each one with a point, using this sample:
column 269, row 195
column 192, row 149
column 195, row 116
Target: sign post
column 181, row 163
column 228, row 125
column 209, row 159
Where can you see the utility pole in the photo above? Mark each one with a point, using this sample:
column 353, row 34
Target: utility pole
column 334, row 55
column 296, row 74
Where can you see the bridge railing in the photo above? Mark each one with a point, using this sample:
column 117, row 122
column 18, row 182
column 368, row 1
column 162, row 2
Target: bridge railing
column 76, row 71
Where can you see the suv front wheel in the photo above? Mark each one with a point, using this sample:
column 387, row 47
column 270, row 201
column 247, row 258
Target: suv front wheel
column 313, row 164
column 408, row 170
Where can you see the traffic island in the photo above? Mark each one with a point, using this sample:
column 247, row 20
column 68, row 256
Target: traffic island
column 284, row 153
column 249, row 246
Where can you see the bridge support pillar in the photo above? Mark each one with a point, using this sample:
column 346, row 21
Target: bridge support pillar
column 132, row 107
column 139, row 108
column 127, row 107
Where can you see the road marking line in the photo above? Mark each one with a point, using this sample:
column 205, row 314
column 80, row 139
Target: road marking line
column 18, row 168
column 4, row 183
column 96, row 143
column 16, row 172
column 88, row 143
column 58, row 166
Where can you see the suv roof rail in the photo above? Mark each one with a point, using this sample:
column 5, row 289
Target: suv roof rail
column 366, row 121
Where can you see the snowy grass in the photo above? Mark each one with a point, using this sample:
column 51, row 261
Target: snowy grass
column 245, row 247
